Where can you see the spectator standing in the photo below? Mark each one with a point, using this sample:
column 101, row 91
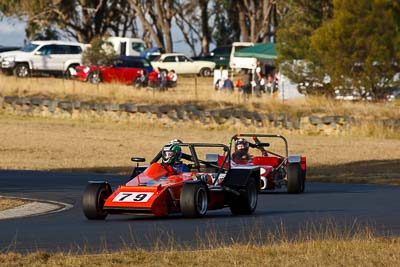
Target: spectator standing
column 268, row 86
column 257, row 79
column 275, row 88
column 172, row 78
column 162, row 79
column 141, row 79
column 245, row 88
column 228, row 85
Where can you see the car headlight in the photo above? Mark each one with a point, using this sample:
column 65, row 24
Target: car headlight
column 86, row 70
column 9, row 59
column 7, row 62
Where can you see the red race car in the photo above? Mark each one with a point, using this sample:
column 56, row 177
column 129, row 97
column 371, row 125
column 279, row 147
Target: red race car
column 125, row 69
column 277, row 169
column 187, row 178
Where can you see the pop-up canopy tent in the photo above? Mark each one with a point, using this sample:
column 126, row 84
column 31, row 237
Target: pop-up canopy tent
column 260, row 51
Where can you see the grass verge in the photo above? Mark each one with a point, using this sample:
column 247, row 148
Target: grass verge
column 316, row 246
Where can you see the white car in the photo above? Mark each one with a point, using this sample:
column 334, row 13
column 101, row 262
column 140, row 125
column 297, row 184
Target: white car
column 183, row 64
column 51, row 57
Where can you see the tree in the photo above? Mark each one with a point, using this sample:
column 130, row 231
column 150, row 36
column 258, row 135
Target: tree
column 299, row 19
column 156, row 18
column 79, row 19
column 360, row 44
column 100, row 52
column 226, row 28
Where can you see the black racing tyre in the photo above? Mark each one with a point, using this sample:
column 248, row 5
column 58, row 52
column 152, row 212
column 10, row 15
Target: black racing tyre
column 246, row 202
column 93, row 200
column 22, row 70
column 303, row 180
column 94, row 77
column 205, row 72
column 194, row 200
column 295, row 183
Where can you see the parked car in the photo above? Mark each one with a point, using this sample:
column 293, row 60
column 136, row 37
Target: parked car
column 220, row 56
column 51, row 57
column 183, row 64
column 124, row 69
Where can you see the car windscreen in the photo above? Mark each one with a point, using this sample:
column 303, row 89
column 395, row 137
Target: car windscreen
column 29, row 47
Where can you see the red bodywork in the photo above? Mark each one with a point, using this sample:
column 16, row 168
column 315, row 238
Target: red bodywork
column 108, row 74
column 269, row 165
column 155, row 192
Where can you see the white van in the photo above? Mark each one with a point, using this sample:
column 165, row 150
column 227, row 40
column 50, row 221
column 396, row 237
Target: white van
column 125, row 46
column 241, row 62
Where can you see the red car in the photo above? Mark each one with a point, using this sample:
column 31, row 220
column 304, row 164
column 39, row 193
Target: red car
column 277, row 168
column 124, row 70
column 205, row 182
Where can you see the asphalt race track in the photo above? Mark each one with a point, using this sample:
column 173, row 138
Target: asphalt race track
column 344, row 205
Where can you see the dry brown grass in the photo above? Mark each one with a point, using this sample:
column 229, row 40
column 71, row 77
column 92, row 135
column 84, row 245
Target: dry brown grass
column 353, row 252
column 191, row 89
column 106, row 146
column 8, row 203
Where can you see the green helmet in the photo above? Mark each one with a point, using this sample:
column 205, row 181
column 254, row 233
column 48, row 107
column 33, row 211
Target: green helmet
column 171, row 153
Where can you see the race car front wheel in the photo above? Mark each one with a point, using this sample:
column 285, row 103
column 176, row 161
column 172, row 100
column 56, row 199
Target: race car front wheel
column 194, row 200
column 93, row 200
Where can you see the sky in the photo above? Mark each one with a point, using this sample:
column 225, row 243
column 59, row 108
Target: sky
column 12, row 32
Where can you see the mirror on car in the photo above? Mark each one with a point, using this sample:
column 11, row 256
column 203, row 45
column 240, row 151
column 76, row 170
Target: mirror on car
column 137, row 159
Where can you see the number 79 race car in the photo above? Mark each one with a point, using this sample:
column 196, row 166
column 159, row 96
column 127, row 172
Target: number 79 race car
column 277, row 169
column 201, row 178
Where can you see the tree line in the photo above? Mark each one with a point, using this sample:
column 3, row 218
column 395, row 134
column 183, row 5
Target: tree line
column 323, row 44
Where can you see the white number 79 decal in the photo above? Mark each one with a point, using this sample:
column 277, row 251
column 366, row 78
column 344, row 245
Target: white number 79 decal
column 132, row 197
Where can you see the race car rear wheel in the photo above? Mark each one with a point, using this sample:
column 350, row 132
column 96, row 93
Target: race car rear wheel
column 93, row 200
column 194, row 200
column 295, row 183
column 246, row 202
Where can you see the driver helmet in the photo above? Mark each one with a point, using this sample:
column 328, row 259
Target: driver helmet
column 242, row 145
column 171, row 153
column 175, row 141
